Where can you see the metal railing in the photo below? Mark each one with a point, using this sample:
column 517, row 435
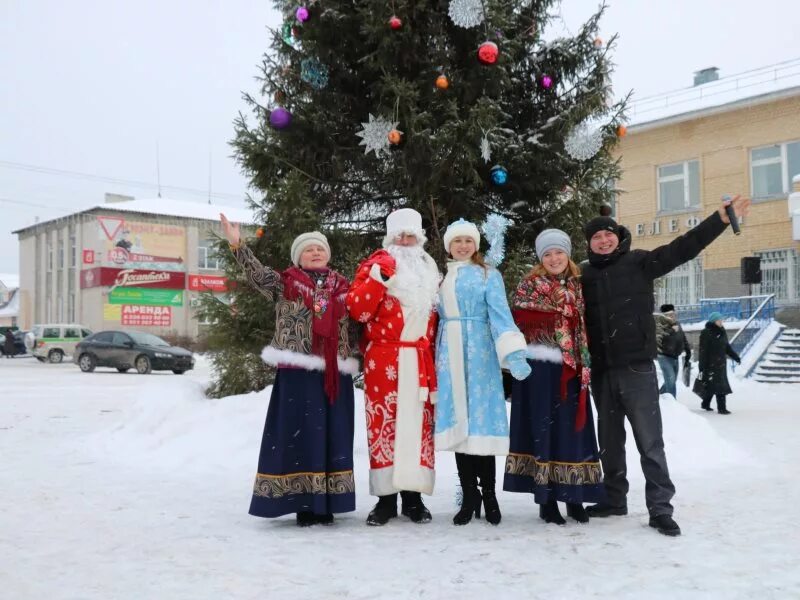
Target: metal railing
column 731, row 309
column 755, row 326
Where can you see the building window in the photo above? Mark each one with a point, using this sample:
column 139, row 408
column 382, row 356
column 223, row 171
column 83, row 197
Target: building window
column 779, row 275
column 772, row 169
column 49, row 255
column 71, row 307
column 73, row 251
column 682, row 286
column 679, row 186
column 207, row 257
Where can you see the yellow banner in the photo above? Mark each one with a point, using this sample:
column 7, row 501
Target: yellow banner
column 112, row 312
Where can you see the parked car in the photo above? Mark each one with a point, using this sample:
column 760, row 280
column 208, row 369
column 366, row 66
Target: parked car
column 123, row 351
column 52, row 342
column 19, row 343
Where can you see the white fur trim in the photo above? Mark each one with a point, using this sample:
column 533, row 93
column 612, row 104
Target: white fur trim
column 451, row 438
column 375, row 273
column 484, row 445
column 459, row 228
column 391, row 236
column 508, row 342
column 455, row 351
column 544, row 353
column 276, row 356
column 381, row 482
column 408, row 473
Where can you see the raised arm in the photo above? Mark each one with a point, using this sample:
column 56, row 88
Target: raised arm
column 263, row 278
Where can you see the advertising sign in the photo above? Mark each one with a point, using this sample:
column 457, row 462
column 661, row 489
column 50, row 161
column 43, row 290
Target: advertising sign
column 136, row 244
column 208, row 283
column 109, row 277
column 88, row 257
column 145, row 296
column 146, row 316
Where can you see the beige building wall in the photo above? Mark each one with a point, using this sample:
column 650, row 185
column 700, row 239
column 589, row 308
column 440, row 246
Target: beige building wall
column 722, row 144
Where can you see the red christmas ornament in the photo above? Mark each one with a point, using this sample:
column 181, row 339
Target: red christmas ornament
column 395, row 22
column 622, row 131
column 395, row 137
column 260, row 232
column 488, row 53
column 442, row 82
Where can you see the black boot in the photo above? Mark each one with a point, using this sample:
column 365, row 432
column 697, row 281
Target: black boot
column 385, row 509
column 326, row 519
column 706, row 403
column 413, row 508
column 722, row 405
column 666, row 525
column 549, row 513
column 487, row 474
column 470, row 496
column 306, row 518
column 602, row 510
column 577, row 512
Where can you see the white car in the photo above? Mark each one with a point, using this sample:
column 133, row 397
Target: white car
column 52, row 342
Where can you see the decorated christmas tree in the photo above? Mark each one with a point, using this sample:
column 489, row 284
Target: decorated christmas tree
column 457, row 108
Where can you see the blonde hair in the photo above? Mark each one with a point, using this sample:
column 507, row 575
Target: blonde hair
column 539, row 270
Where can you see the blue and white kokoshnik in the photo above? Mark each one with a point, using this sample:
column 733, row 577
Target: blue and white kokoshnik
column 476, row 335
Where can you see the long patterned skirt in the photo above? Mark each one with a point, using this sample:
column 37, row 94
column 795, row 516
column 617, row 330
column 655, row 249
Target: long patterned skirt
column 547, row 457
column 306, row 459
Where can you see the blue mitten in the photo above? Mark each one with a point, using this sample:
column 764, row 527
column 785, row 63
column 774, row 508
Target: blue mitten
column 519, row 367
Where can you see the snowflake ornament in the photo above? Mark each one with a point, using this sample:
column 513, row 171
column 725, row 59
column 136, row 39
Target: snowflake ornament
column 466, row 13
column 375, row 135
column 585, row 140
column 486, row 149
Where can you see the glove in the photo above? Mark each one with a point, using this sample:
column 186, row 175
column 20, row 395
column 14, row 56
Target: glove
column 519, row 367
column 387, row 265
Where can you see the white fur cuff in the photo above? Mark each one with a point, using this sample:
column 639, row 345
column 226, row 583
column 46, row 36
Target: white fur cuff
column 544, row 353
column 276, row 356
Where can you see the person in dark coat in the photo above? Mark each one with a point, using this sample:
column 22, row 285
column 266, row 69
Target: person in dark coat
column 714, row 348
column 618, row 290
column 671, row 343
column 9, row 347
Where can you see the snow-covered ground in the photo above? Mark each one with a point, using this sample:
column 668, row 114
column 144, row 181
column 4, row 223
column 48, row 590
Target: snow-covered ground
column 137, row 487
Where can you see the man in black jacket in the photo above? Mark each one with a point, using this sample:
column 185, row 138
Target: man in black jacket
column 671, row 342
column 618, row 290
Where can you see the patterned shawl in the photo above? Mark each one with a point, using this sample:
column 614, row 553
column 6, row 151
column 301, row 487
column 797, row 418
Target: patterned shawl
column 327, row 305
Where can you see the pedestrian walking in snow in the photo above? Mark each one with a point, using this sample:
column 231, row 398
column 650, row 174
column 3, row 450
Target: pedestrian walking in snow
column 618, row 288
column 671, row 342
column 394, row 296
column 476, row 336
column 554, row 452
column 306, row 461
column 713, row 364
column 9, row 347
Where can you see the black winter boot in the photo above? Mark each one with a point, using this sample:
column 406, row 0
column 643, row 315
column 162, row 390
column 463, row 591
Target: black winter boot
column 306, row 518
column 706, row 403
column 722, row 407
column 488, row 476
column 549, row 513
column 602, row 510
column 326, row 519
column 413, row 508
column 577, row 512
column 665, row 524
column 470, row 496
column 385, row 509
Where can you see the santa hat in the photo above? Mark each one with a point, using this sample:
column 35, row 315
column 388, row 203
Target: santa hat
column 404, row 220
column 461, row 228
column 304, row 240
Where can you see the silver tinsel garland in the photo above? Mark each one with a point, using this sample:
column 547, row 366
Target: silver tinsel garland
column 466, row 13
column 494, row 228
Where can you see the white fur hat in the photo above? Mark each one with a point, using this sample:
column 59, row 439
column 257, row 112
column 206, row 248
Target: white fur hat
column 304, row 240
column 459, row 228
column 404, row 220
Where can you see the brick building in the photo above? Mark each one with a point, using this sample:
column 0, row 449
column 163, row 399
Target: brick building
column 684, row 150
column 125, row 264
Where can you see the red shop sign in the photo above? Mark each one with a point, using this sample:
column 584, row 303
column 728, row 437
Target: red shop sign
column 110, row 277
column 146, row 316
column 208, row 283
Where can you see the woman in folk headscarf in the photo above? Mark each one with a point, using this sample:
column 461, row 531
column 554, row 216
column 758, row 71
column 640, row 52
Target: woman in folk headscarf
column 553, row 452
column 306, row 460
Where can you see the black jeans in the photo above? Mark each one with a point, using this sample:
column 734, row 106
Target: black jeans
column 632, row 392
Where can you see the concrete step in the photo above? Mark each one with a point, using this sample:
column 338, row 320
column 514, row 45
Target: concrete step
column 778, row 374
column 784, row 379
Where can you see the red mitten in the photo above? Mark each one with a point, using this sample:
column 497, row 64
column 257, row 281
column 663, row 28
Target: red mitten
column 387, row 265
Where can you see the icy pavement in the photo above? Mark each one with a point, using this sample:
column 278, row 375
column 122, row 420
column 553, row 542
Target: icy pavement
column 137, row 487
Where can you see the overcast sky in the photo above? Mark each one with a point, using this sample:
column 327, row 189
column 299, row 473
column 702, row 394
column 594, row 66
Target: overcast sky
column 92, row 86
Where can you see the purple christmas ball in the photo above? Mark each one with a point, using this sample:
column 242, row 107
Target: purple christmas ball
column 302, row 14
column 547, row 82
column 280, row 118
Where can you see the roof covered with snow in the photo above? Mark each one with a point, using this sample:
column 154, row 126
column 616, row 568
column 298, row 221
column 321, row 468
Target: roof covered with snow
column 168, row 208
column 10, row 308
column 727, row 93
column 9, row 280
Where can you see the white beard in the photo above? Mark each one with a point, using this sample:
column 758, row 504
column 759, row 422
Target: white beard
column 416, row 281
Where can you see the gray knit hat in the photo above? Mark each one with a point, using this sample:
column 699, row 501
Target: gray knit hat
column 552, row 238
column 302, row 241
